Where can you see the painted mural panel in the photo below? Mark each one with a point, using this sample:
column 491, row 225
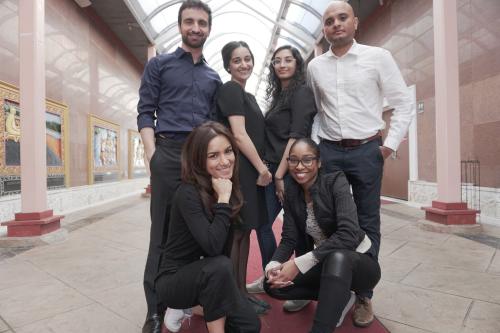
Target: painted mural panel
column 10, row 142
column 104, row 150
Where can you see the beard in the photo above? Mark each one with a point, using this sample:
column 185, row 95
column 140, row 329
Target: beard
column 194, row 45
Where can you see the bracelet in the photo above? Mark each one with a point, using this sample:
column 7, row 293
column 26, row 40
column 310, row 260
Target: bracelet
column 277, row 178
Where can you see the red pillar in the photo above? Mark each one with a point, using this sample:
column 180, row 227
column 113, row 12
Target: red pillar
column 35, row 218
column 448, row 208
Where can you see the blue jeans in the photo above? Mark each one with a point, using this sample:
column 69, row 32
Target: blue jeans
column 363, row 167
column 265, row 235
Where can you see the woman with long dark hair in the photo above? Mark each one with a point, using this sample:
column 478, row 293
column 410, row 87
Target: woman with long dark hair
column 239, row 110
column 194, row 269
column 333, row 255
column 290, row 116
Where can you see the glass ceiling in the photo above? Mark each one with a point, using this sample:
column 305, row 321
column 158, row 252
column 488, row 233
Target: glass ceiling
column 263, row 24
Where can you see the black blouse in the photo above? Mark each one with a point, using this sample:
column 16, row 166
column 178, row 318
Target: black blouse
column 291, row 120
column 191, row 233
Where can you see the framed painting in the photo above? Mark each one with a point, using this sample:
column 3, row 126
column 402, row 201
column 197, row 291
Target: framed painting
column 56, row 122
column 103, row 150
column 136, row 162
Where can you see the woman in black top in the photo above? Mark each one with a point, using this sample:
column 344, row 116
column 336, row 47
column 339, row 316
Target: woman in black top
column 193, row 269
column 333, row 255
column 290, row 116
column 239, row 110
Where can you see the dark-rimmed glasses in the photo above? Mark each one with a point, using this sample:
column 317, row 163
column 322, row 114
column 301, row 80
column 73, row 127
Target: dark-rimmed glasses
column 306, row 161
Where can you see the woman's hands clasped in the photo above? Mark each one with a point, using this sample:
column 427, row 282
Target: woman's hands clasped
column 283, row 275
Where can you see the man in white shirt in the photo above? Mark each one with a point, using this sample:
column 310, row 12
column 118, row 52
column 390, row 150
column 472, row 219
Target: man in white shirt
column 350, row 82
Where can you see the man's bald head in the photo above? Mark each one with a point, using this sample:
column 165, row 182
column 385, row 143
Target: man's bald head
column 339, row 24
column 340, row 4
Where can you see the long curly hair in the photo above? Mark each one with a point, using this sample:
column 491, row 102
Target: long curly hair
column 274, row 91
column 194, row 165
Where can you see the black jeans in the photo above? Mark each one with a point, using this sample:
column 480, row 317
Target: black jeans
column 210, row 283
column 363, row 167
column 165, row 168
column 330, row 283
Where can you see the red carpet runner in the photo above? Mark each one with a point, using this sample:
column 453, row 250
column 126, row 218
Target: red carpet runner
column 278, row 321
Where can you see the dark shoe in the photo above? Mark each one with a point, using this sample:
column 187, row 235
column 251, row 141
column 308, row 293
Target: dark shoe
column 363, row 312
column 259, row 309
column 259, row 302
column 295, row 305
column 153, row 324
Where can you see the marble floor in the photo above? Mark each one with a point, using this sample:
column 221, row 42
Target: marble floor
column 87, row 277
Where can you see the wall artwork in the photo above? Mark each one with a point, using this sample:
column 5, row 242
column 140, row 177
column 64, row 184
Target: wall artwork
column 56, row 116
column 136, row 165
column 104, row 150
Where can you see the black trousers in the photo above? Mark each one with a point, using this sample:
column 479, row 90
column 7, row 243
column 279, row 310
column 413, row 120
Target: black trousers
column 165, row 168
column 330, row 283
column 363, row 167
column 210, row 283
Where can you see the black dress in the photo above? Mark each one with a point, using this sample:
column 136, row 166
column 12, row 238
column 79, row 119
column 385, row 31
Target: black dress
column 232, row 100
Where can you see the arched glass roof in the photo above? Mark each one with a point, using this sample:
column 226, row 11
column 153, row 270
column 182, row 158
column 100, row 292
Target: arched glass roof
column 263, row 24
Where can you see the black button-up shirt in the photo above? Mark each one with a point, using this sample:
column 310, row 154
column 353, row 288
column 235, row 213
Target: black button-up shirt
column 177, row 93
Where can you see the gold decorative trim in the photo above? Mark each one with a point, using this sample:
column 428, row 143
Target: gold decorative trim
column 10, row 93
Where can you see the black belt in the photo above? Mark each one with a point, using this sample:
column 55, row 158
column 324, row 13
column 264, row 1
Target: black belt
column 352, row 143
column 172, row 136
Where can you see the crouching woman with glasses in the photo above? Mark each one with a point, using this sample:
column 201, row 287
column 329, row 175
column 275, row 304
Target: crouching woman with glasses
column 332, row 252
column 193, row 268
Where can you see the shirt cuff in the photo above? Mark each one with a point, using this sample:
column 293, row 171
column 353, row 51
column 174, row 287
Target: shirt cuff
column 391, row 143
column 306, row 262
column 270, row 266
column 365, row 245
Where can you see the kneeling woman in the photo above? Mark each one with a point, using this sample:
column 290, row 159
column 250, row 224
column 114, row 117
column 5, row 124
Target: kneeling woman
column 193, row 269
column 321, row 225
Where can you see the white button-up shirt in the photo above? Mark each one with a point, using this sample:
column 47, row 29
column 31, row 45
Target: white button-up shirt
column 349, row 92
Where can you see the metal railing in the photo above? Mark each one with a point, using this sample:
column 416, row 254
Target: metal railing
column 471, row 183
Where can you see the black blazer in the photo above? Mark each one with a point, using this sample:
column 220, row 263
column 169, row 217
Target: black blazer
column 335, row 214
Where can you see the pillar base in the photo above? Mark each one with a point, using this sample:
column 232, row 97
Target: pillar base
column 450, row 213
column 33, row 224
column 147, row 192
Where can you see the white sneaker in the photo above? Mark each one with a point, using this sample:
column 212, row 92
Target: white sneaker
column 174, row 319
column 347, row 308
column 256, row 287
column 295, row 305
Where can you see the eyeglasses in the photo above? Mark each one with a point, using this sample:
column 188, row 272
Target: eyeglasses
column 306, row 161
column 286, row 61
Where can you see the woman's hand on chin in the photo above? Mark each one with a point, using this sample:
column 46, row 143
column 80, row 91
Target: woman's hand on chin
column 223, row 188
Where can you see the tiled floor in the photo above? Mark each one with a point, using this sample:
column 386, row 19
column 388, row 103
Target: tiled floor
column 87, row 277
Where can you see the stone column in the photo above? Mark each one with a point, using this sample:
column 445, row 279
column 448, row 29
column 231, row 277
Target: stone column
column 448, row 208
column 35, row 218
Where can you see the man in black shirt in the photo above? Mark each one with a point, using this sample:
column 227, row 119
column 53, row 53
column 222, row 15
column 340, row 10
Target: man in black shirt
column 177, row 94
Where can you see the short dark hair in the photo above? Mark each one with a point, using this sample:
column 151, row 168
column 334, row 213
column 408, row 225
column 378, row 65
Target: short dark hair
column 308, row 141
column 195, row 4
column 228, row 49
column 194, row 164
